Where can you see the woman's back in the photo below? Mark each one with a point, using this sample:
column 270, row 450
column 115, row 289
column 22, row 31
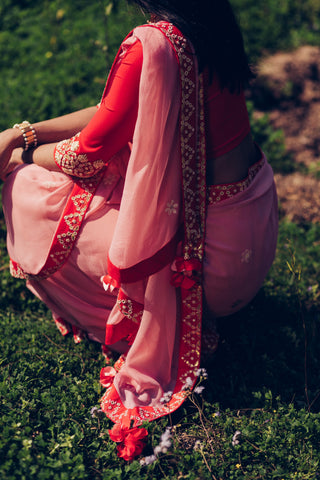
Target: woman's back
column 226, row 118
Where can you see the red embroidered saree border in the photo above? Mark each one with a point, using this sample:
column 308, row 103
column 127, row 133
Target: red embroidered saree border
column 192, row 147
column 68, row 228
column 128, row 327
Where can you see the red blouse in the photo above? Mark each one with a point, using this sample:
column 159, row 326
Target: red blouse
column 227, row 120
column 112, row 127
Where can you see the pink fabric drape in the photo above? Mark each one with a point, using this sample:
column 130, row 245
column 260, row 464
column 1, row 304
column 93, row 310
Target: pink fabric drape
column 149, row 218
column 240, row 244
column 33, row 201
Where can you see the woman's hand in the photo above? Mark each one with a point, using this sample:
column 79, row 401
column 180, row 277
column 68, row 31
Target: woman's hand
column 9, row 140
column 15, row 160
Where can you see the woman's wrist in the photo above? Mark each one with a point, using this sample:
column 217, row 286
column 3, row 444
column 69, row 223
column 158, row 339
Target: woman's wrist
column 16, row 137
column 28, row 133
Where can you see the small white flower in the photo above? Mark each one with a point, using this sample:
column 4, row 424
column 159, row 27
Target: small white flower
column 197, row 445
column 164, row 445
column 166, row 438
column 236, row 438
column 165, row 442
column 199, row 390
column 201, row 372
column 166, row 397
column 148, row 460
column 96, row 412
column 188, row 384
column 157, row 450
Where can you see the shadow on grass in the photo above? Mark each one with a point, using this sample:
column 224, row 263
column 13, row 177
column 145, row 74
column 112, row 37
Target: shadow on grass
column 263, row 348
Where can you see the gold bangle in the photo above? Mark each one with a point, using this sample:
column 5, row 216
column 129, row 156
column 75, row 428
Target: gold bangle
column 29, row 134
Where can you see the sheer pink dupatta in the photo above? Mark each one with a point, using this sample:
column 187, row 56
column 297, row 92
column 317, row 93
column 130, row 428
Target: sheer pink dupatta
column 164, row 351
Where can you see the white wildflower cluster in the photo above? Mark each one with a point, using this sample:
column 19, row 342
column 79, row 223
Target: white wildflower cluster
column 166, row 397
column 199, row 389
column 187, row 384
column 236, row 438
column 164, row 445
column 197, row 445
column 165, row 442
column 148, row 460
column 201, row 372
column 96, row 412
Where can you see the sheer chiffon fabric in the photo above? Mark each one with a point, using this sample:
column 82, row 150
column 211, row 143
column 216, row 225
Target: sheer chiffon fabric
column 148, row 221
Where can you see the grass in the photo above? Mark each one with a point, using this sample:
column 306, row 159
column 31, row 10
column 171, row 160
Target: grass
column 263, row 382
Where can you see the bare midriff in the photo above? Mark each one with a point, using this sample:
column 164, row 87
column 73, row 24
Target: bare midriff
column 233, row 166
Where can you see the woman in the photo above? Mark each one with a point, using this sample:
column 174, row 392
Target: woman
column 160, row 195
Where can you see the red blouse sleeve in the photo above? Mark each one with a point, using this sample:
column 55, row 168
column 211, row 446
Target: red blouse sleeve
column 112, row 127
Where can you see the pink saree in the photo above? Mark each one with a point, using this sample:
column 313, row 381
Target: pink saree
column 153, row 234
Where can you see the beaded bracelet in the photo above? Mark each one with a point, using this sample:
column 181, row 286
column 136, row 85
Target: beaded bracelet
column 29, row 134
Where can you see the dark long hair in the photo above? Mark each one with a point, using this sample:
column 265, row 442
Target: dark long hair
column 212, row 28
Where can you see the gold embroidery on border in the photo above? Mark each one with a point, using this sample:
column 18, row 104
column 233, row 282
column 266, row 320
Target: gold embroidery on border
column 126, row 308
column 73, row 163
column 192, row 339
column 195, row 217
column 194, row 187
column 195, row 220
column 67, row 230
column 16, row 271
column 72, row 220
column 191, row 358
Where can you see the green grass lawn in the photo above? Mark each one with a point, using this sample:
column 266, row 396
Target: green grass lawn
column 263, row 382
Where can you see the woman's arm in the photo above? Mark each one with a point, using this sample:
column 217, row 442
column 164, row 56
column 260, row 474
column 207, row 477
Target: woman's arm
column 48, row 133
column 59, row 128
column 42, row 155
column 54, row 130
column 112, row 126
column 80, row 144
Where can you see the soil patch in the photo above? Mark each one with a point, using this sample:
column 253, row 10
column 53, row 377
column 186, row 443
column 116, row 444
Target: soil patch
column 288, row 89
